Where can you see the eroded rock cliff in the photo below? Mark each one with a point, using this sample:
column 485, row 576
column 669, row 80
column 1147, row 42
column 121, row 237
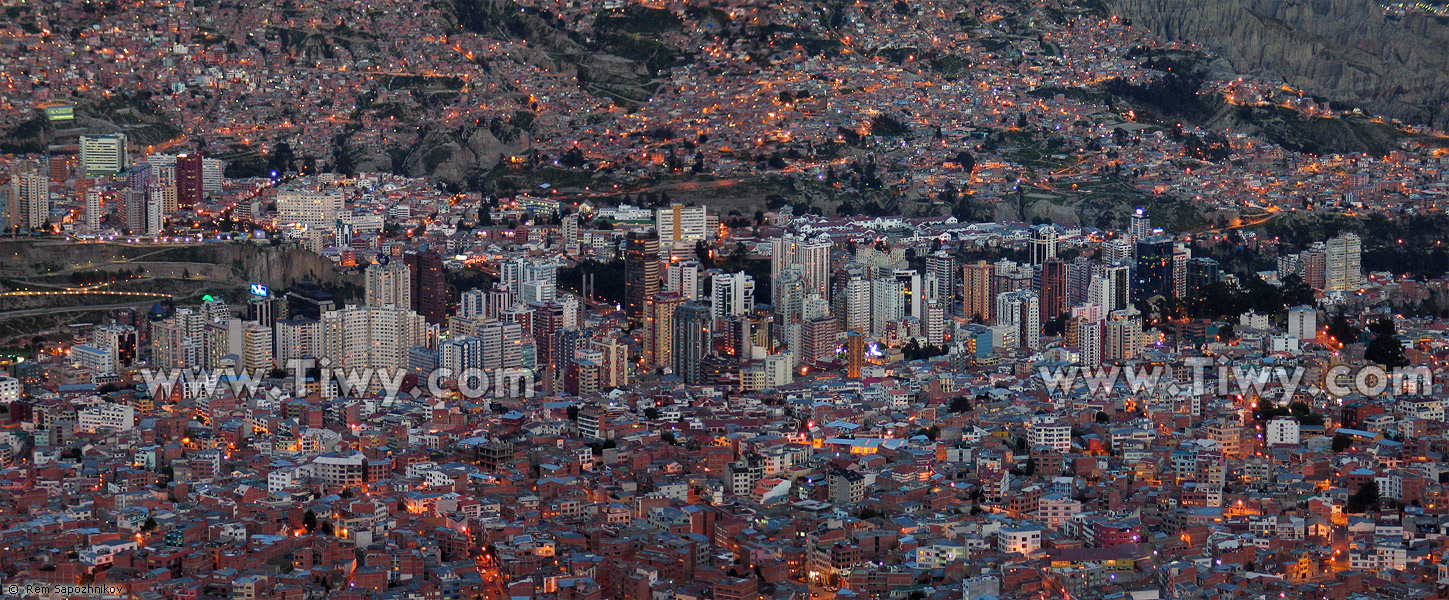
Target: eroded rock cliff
column 1348, row 51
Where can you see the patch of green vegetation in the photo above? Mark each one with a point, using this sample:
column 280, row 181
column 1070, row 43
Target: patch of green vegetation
column 1319, row 135
column 436, row 156
column 522, row 119
column 653, row 53
column 1083, row 95
column 638, row 19
column 993, row 44
column 950, row 64
column 406, row 82
column 812, row 45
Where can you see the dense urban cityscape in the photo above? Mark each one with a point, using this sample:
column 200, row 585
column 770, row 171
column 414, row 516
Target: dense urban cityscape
column 720, row 300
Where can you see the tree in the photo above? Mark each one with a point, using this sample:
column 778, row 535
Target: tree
column 959, row 404
column 309, row 521
column 1341, row 442
column 149, row 525
column 1030, row 466
column 1385, row 348
column 1226, row 332
column 967, row 162
column 1367, row 497
column 651, row 413
column 573, row 413
column 1339, row 329
column 1103, row 417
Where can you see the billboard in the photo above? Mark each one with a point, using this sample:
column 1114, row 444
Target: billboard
column 259, row 290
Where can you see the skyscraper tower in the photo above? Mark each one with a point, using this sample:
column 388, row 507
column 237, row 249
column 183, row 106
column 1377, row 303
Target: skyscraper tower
column 943, row 265
column 1043, row 243
column 1053, row 289
column 1140, row 226
column 429, row 288
column 854, row 354
column 693, row 340
column 1343, row 266
column 389, row 283
column 659, row 311
column 1021, row 309
column 188, row 180
column 1153, row 275
column 641, row 273
column 976, row 290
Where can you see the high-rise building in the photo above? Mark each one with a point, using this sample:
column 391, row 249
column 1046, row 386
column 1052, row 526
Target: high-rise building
column 314, row 209
column 472, row 304
column 306, row 299
column 93, row 213
column 361, row 337
column 389, row 283
column 256, row 352
column 1043, row 243
column 854, row 300
column 817, row 339
column 641, row 273
column 119, row 341
column 104, row 154
column 693, row 340
column 188, row 180
column 1201, row 272
column 1303, row 322
column 548, row 323
column 569, row 230
column 1079, row 276
column 887, row 303
column 298, row 339
column 1021, row 310
column 978, row 297
column 854, row 354
column 1122, row 335
column 1181, row 254
column 1089, row 340
column 732, row 294
column 914, row 292
column 942, row 264
column 32, row 189
column 429, row 287
column 658, row 325
column 1140, row 226
column 1314, row 262
column 1053, row 289
column 933, row 321
column 810, row 254
column 502, row 345
column 678, row 224
column 1153, row 276
column 614, row 364
column 1119, row 279
column 155, row 211
column 163, row 186
column 12, row 214
column 683, row 278
column 1343, row 268
column 212, row 172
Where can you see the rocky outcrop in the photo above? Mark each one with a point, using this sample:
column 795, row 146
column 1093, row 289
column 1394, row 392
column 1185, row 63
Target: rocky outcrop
column 453, row 155
column 1347, row 51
